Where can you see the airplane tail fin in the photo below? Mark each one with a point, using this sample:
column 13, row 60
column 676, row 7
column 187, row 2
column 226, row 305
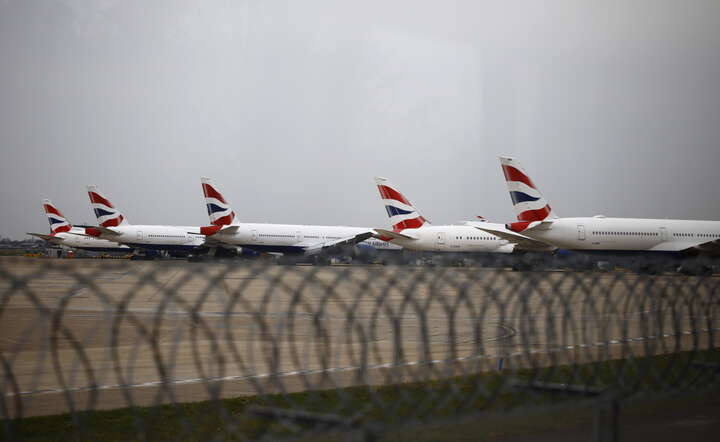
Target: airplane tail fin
column 219, row 211
column 58, row 223
column 530, row 205
column 107, row 215
column 403, row 215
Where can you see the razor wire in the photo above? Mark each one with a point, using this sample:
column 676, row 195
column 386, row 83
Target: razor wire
column 388, row 344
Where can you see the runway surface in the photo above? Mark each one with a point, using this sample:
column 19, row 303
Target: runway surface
column 92, row 334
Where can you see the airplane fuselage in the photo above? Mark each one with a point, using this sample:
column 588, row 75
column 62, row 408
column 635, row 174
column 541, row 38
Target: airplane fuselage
column 157, row 237
column 292, row 239
column 453, row 238
column 75, row 238
column 626, row 234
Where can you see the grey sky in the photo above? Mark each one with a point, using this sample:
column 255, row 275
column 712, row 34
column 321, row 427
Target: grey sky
column 293, row 106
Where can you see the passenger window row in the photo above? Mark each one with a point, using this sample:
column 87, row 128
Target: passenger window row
column 602, row 232
column 699, row 235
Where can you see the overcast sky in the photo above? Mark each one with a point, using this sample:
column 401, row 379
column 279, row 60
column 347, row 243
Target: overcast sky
column 293, row 106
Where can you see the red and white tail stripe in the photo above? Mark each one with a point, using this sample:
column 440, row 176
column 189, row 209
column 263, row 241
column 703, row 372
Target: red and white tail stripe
column 530, row 205
column 219, row 211
column 107, row 215
column 403, row 215
column 58, row 223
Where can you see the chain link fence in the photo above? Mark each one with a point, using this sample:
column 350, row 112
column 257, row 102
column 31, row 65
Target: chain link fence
column 247, row 350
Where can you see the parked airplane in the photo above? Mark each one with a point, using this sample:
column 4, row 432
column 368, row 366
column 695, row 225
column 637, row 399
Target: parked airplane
column 114, row 227
column 64, row 234
column 537, row 220
column 412, row 231
column 289, row 239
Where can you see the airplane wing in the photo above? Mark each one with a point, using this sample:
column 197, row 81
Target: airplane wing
column 521, row 242
column 79, row 234
column 383, row 234
column 350, row 240
column 46, row 237
column 709, row 247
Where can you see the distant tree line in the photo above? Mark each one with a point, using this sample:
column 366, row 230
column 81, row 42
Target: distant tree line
column 7, row 243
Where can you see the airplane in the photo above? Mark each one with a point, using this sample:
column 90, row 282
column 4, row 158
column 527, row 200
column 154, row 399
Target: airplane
column 285, row 239
column 64, row 234
column 537, row 220
column 113, row 226
column 413, row 231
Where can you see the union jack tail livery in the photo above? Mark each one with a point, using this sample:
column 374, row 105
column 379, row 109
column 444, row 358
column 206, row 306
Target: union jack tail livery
column 219, row 211
column 58, row 223
column 403, row 215
column 107, row 215
column 530, row 205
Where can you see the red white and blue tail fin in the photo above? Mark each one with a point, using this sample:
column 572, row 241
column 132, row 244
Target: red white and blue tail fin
column 219, row 211
column 58, row 223
column 107, row 215
column 530, row 205
column 403, row 215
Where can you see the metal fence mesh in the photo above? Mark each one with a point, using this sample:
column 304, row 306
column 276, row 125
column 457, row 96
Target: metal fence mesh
column 349, row 346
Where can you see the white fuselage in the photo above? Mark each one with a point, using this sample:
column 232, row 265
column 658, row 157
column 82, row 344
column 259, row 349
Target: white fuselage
column 454, row 238
column 292, row 238
column 157, row 237
column 626, row 234
column 76, row 238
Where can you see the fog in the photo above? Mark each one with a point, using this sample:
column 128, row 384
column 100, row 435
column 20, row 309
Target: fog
column 292, row 107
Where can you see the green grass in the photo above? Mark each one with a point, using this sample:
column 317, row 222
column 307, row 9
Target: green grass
column 384, row 405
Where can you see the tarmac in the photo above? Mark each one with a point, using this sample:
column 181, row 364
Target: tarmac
column 92, row 334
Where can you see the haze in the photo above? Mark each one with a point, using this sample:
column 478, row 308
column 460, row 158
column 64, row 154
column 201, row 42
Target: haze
column 292, row 107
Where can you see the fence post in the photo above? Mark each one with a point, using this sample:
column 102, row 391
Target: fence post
column 606, row 422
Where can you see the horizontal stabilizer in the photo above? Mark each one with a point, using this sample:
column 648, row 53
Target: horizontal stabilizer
column 96, row 231
column 347, row 241
column 383, row 234
column 229, row 229
column 107, row 231
column 542, row 225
